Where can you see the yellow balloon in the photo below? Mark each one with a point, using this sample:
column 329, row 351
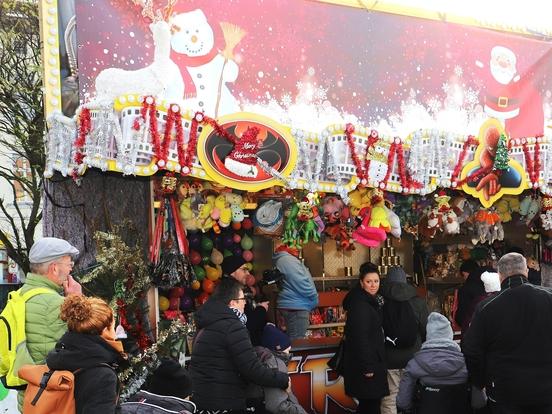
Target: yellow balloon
column 211, row 273
column 249, row 266
column 164, row 303
column 196, row 284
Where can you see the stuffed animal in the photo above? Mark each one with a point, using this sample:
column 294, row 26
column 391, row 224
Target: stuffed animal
column 187, row 215
column 529, row 208
column 225, row 212
column 368, row 235
column 204, row 216
column 358, row 199
column 378, row 214
column 450, row 221
column 236, row 206
column 503, row 210
column 394, row 221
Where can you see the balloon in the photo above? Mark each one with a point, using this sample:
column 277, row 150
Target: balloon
column 195, row 240
column 202, row 298
column 247, row 224
column 196, row 284
column 227, row 240
column 206, row 244
column 216, row 257
column 208, row 286
column 237, row 250
column 205, row 259
column 249, row 266
column 174, row 303
column 195, row 257
column 176, row 292
column 236, row 225
column 250, row 280
column 212, row 273
column 163, row 303
column 217, row 241
column 247, row 255
column 236, row 238
column 186, row 303
column 199, row 272
column 226, row 253
column 246, row 242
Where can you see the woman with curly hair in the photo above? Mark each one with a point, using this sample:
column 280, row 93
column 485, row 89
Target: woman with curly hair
column 89, row 346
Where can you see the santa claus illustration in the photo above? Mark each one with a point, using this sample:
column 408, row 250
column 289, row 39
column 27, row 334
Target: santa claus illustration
column 242, row 160
column 510, row 97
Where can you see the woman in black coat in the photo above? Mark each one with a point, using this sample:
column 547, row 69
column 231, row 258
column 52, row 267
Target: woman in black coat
column 89, row 346
column 365, row 371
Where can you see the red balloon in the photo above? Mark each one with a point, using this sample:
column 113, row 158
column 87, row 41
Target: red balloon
column 195, row 257
column 247, row 224
column 202, row 298
column 247, row 255
column 177, row 292
column 208, row 286
column 236, row 238
column 174, row 303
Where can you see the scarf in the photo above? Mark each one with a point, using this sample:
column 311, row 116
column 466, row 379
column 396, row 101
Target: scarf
column 116, row 345
column 241, row 316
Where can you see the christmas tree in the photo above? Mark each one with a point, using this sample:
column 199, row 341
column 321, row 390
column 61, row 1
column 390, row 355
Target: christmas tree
column 501, row 158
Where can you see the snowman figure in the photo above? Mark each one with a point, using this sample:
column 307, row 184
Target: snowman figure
column 203, row 68
column 378, row 164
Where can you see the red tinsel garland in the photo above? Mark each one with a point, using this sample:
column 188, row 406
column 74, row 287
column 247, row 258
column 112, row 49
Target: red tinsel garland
column 406, row 180
column 169, row 124
column 457, row 169
column 85, row 125
column 149, row 108
column 373, row 138
column 390, row 160
column 349, row 129
column 532, row 165
column 219, row 129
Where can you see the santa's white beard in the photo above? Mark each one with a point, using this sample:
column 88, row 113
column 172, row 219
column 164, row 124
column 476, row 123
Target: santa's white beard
column 503, row 76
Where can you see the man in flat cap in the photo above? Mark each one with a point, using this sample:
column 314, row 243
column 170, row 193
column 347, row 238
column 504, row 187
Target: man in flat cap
column 51, row 262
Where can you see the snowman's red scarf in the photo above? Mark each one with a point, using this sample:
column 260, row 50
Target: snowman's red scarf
column 184, row 61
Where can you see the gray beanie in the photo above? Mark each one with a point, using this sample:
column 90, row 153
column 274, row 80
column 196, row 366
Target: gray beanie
column 438, row 327
column 396, row 274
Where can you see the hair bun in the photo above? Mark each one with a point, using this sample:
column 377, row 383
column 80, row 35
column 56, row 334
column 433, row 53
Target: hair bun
column 76, row 309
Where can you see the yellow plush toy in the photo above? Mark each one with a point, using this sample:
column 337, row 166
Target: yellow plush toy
column 503, row 210
column 187, row 215
column 378, row 214
column 204, row 217
column 358, row 199
column 225, row 217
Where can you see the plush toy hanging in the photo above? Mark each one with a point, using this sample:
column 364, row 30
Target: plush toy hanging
column 488, row 227
column 169, row 249
column 336, row 216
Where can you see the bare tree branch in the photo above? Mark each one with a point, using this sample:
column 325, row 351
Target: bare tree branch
column 22, row 124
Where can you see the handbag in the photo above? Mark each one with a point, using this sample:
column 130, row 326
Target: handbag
column 337, row 362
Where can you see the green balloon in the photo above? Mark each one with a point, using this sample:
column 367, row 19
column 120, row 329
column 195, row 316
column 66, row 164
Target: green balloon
column 227, row 253
column 206, row 259
column 246, row 242
column 206, row 244
column 199, row 272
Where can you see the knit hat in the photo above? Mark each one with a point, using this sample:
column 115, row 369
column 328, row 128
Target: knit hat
column 232, row 263
column 396, row 274
column 438, row 327
column 275, row 339
column 242, row 160
column 491, row 281
column 170, row 378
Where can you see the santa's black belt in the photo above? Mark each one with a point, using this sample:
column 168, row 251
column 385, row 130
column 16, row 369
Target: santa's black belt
column 502, row 101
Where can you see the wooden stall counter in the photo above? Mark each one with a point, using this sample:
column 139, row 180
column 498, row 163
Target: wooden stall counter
column 318, row 388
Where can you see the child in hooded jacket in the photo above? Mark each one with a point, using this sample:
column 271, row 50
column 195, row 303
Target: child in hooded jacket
column 440, row 369
column 275, row 354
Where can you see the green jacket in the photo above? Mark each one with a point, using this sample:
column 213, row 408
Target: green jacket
column 43, row 325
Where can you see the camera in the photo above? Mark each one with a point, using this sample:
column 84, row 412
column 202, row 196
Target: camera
column 271, row 276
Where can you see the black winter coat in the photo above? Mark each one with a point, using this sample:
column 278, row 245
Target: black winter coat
column 472, row 289
column 223, row 361
column 364, row 347
column 402, row 292
column 508, row 344
column 96, row 385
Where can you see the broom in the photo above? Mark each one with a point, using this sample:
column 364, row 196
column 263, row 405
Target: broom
column 232, row 36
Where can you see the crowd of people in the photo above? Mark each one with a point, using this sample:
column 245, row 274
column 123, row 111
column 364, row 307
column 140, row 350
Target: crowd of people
column 398, row 357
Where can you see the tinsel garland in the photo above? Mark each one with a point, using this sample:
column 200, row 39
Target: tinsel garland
column 532, row 165
column 142, row 365
column 85, row 125
column 458, row 167
column 373, row 138
column 407, row 182
column 361, row 170
column 390, row 160
column 169, row 124
column 185, row 158
column 148, row 119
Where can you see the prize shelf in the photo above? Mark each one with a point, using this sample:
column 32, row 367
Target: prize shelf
column 327, row 299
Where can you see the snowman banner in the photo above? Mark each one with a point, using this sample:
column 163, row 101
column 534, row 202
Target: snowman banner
column 309, row 65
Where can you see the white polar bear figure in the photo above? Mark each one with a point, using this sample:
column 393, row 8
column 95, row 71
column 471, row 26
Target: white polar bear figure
column 193, row 38
column 155, row 79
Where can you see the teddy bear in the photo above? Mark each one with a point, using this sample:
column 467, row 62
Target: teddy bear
column 236, row 206
column 529, row 208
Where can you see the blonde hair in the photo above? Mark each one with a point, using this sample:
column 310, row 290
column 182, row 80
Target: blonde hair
column 86, row 315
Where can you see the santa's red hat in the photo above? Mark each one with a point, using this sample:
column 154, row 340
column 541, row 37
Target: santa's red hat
column 243, row 158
